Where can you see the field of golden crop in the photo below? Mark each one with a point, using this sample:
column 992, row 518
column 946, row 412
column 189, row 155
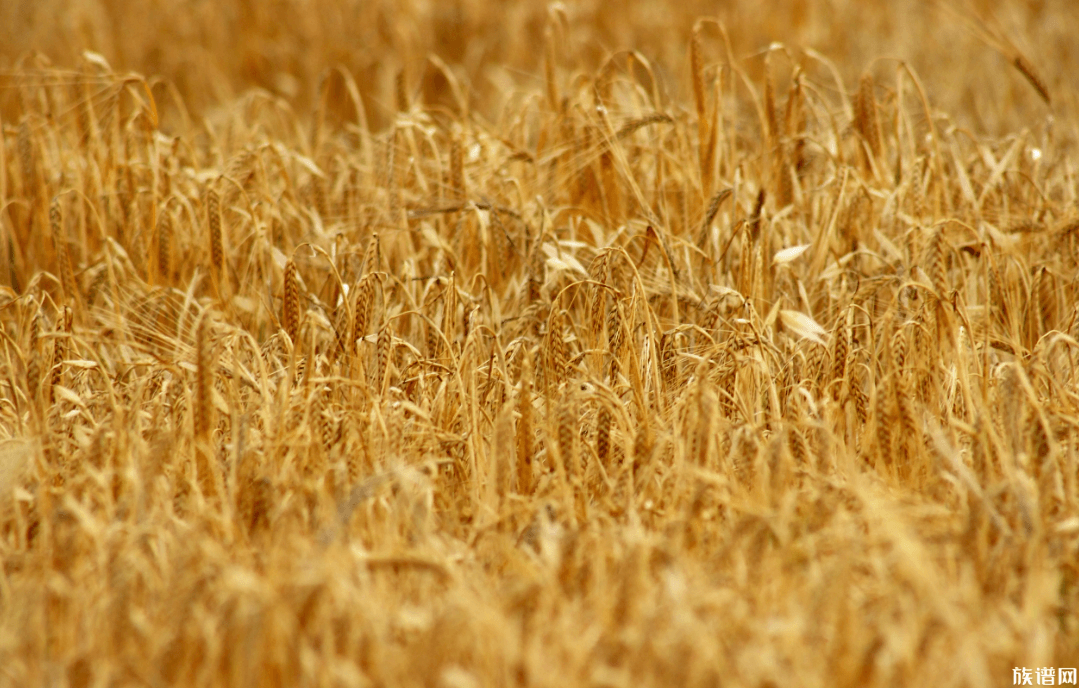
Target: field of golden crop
column 464, row 344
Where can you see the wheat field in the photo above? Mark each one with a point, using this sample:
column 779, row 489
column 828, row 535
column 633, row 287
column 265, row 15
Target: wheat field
column 467, row 344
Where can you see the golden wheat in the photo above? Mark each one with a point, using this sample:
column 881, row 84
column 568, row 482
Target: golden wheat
column 453, row 345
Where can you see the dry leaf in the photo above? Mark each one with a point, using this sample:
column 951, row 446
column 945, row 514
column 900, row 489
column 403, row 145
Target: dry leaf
column 789, row 254
column 803, row 326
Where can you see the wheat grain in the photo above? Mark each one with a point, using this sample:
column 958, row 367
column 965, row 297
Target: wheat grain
column 634, row 125
column 603, row 435
column 290, row 309
column 696, row 66
column 217, row 252
column 204, row 380
column 867, row 119
column 33, row 362
column 164, row 248
column 1027, row 70
column 382, row 358
column 839, row 360
column 63, row 259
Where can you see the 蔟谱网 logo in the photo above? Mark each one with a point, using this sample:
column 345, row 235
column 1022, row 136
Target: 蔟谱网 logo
column 1045, row 676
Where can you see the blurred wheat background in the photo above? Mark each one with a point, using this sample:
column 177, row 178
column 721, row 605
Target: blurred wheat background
column 474, row 344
